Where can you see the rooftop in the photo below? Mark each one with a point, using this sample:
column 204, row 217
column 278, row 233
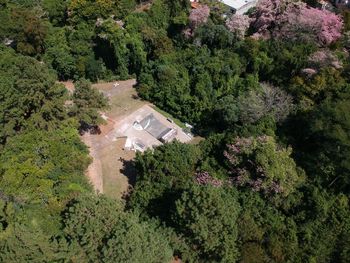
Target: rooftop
column 241, row 6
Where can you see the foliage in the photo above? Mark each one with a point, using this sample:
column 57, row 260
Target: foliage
column 87, row 103
column 296, row 21
column 161, row 175
column 28, row 30
column 276, row 76
column 328, row 142
column 197, row 17
column 58, row 53
column 38, row 160
column 207, row 215
column 30, row 97
column 238, row 24
column 263, row 166
column 104, row 232
column 254, row 106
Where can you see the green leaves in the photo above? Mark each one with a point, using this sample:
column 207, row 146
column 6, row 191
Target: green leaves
column 36, row 167
column 206, row 216
column 262, row 165
column 105, row 233
column 30, row 97
column 87, row 103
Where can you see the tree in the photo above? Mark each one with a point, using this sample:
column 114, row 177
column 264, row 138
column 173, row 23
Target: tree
column 207, row 216
column 306, row 23
column 28, row 29
column 87, row 102
column 35, row 167
column 161, row 176
column 197, row 17
column 255, row 105
column 58, row 53
column 326, row 151
column 324, row 58
column 57, row 11
column 260, row 164
column 296, row 22
column 31, row 98
column 266, row 233
column 238, row 24
column 324, row 222
column 104, row 232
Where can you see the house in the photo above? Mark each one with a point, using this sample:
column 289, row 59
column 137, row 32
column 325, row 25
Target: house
column 342, row 3
column 239, row 6
column 235, row 6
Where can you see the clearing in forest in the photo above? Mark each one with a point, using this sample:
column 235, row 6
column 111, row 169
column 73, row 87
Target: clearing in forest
column 110, row 171
column 131, row 124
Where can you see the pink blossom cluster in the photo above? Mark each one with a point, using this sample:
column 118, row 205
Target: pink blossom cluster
column 245, row 172
column 203, row 178
column 198, row 16
column 309, row 72
column 242, row 179
column 238, row 24
column 321, row 59
column 324, row 58
column 296, row 21
column 266, row 15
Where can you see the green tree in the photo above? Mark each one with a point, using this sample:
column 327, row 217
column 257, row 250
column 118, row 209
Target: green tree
column 327, row 147
column 58, row 53
column 259, row 163
column 30, row 96
column 35, row 167
column 28, row 30
column 105, row 233
column 207, row 216
column 161, row 175
column 87, row 103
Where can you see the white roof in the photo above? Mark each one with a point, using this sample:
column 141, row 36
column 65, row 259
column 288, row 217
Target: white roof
column 239, row 4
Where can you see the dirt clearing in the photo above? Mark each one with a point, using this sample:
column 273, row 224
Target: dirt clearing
column 110, row 172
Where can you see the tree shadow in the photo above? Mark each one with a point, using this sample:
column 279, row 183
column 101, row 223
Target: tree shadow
column 129, row 171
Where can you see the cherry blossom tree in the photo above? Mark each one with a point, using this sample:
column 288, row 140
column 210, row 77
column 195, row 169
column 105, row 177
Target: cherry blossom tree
column 238, row 24
column 198, row 16
column 296, row 21
column 300, row 22
column 324, row 58
column 265, row 17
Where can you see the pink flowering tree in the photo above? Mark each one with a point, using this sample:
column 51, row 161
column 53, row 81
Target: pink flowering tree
column 296, row 21
column 301, row 22
column 324, row 58
column 262, row 165
column 265, row 17
column 238, row 24
column 198, row 16
column 204, row 178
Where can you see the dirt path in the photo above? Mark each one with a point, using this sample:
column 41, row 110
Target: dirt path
column 94, row 170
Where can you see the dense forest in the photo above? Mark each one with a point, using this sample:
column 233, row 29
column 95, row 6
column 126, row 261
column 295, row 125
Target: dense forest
column 269, row 91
